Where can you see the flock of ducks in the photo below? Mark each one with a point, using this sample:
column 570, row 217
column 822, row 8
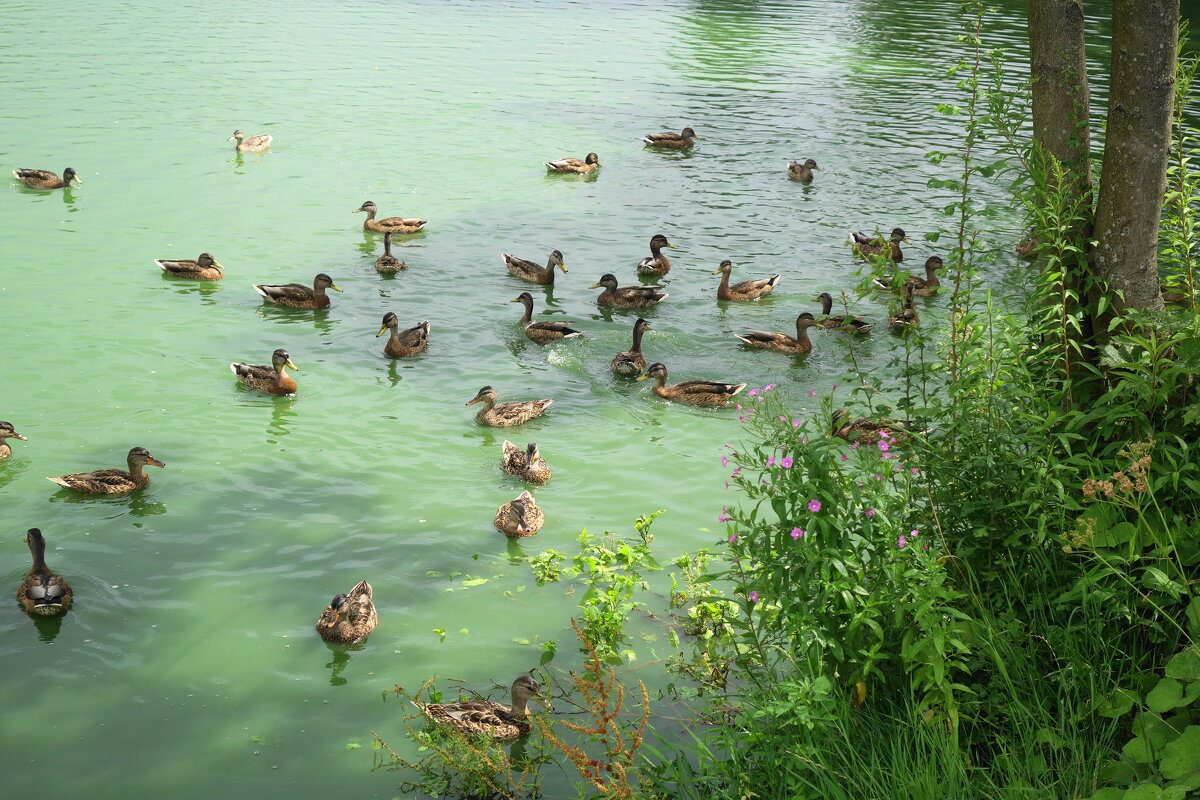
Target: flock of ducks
column 352, row 616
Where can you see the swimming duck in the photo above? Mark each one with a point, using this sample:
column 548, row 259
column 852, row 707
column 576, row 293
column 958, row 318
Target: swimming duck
column 270, row 379
column 781, row 342
column 7, row 431
column 801, row 172
column 527, row 464
column 543, row 332
column 574, row 164
column 407, row 342
column 113, row 481
column 850, row 324
column 348, row 617
column 870, row 246
column 1028, row 246
column 922, row 286
column 297, row 295
column 656, row 263
column 906, row 317
column 387, row 263
column 529, row 271
column 631, row 362
column 745, row 290
column 698, row 393
column 251, row 144
column 42, row 592
column 505, row 415
column 845, row 427
column 204, row 268
column 390, row 224
column 627, row 296
column 519, row 517
column 670, row 139
column 45, row 179
column 485, row 717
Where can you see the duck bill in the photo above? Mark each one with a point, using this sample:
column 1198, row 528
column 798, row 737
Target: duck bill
column 290, row 365
column 515, row 300
column 471, row 402
column 595, row 286
column 563, row 267
column 672, row 246
column 77, row 179
column 382, row 331
column 335, row 287
column 718, row 270
column 155, row 462
column 19, row 436
column 643, row 377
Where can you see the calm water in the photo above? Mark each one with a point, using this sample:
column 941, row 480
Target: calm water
column 189, row 663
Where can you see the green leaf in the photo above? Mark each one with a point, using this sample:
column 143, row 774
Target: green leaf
column 1168, row 694
column 1182, row 756
column 1185, row 665
column 475, row 582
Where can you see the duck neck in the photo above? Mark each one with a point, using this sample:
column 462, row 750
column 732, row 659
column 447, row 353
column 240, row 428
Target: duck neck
column 370, row 215
column 802, row 332
column 136, row 469
column 826, row 306
column 931, row 278
column 281, row 376
column 387, row 243
column 638, row 330
column 724, row 287
column 318, row 290
column 527, row 317
column 520, row 705
column 37, row 549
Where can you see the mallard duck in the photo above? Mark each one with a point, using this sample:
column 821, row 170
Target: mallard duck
column 574, row 164
column 485, row 717
column 387, row 263
column 745, row 290
column 627, row 296
column 113, row 481
column 922, row 286
column 698, row 393
column 7, row 431
column 407, row 342
column 781, row 342
column 505, row 415
column 42, row 592
column 527, row 464
column 871, row 246
column 204, row 268
column 519, row 517
column 670, row 139
column 845, row 427
column 389, row 224
column 906, row 316
column 297, row 295
column 656, row 263
column 543, row 332
column 251, row 144
column 45, row 179
column 631, row 362
column 802, row 172
column 348, row 617
column 1028, row 246
column 529, row 271
column 850, row 324
column 270, row 379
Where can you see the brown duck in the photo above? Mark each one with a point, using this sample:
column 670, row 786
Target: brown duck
column 527, row 464
column 871, row 246
column 505, row 415
column 349, row 617
column 591, row 162
column 656, row 263
column 390, row 224
column 7, row 431
column 519, row 517
column 801, row 172
column 485, row 717
column 781, row 342
column 685, row 138
column 113, row 481
column 697, row 392
column 921, row 286
column 850, row 324
column 631, row 362
column 204, row 268
column 745, row 290
column 272, row 378
column 529, row 271
column 297, row 295
column 45, row 179
column 543, row 332
column 407, row 342
column 627, row 296
column 42, row 592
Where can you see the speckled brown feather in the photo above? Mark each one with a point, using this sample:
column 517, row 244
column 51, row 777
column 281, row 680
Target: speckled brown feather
column 781, row 342
column 517, row 462
column 744, row 290
column 519, row 516
column 355, row 618
column 44, row 178
column 506, row 415
column 628, row 296
column 407, row 342
column 111, row 480
column 485, row 717
column 694, row 392
column 203, row 268
column 42, row 592
column 297, row 295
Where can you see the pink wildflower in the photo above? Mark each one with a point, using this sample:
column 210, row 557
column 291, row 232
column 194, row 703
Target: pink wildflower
column 883, row 445
column 913, row 533
column 786, row 462
column 771, row 461
column 752, row 597
column 870, row 512
column 797, row 533
column 814, row 506
column 732, row 538
column 768, row 387
column 813, row 393
column 795, row 423
column 901, row 541
column 845, row 457
column 724, row 461
column 752, row 392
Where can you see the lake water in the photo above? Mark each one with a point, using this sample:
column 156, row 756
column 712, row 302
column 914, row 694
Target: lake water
column 188, row 665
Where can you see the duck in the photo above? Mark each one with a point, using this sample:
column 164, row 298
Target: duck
column 270, row 379
column 297, row 295
column 486, row 717
column 519, row 517
column 698, row 393
column 505, row 415
column 920, row 286
column 7, row 431
column 529, row 271
column 543, row 332
column 656, row 263
column 527, row 464
column 390, row 224
column 684, row 138
column 349, row 617
column 746, row 290
column 42, row 592
column 251, row 144
column 843, row 426
column 388, row 264
column 802, row 172
column 113, row 481
column 631, row 362
column 1028, row 246
column 627, row 296
column 906, row 316
column 850, row 324
column 407, row 342
column 871, row 246
column 589, row 163
column 204, row 268
column 45, row 179
column 781, row 342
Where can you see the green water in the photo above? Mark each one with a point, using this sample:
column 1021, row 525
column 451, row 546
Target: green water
column 189, row 665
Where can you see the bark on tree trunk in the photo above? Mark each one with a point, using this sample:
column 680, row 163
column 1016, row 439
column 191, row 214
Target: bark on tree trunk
column 1137, row 146
column 1058, row 64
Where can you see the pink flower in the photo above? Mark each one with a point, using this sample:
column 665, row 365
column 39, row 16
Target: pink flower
column 732, row 538
column 797, row 533
column 737, row 472
column 845, row 457
column 834, row 389
column 795, row 423
column 724, row 461
column 887, row 455
column 786, row 462
column 883, row 445
column 768, row 387
column 913, row 533
column 726, row 484
column 741, row 417
column 901, row 541
column 813, row 393
column 854, row 446
column 752, row 597
column 870, row 512
column 877, row 477
column 752, row 392
column 915, row 471
column 771, row 461
column 814, row 506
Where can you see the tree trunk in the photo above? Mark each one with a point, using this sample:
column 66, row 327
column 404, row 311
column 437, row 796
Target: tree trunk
column 1137, row 145
column 1057, row 61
